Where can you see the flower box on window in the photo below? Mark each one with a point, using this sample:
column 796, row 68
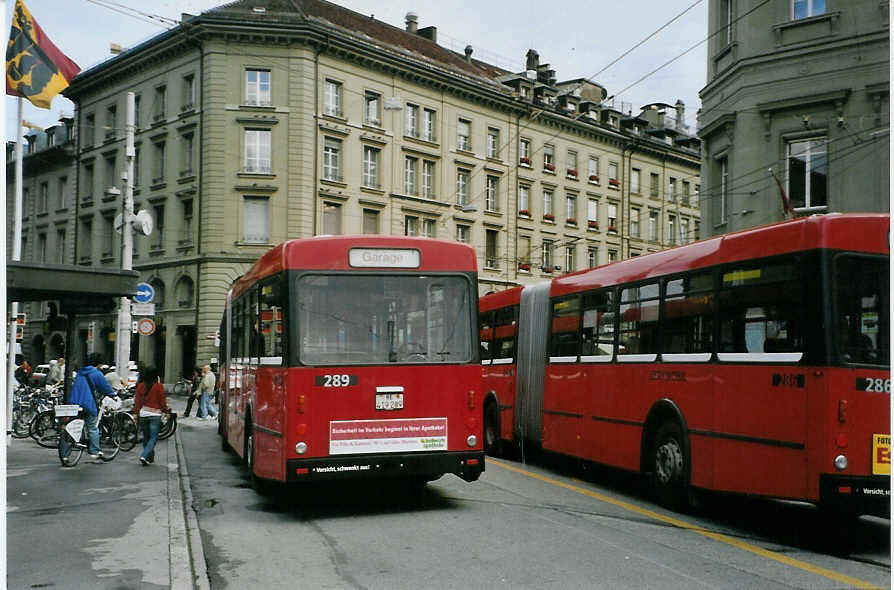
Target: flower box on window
column 524, row 266
column 571, row 221
column 549, row 217
column 571, row 173
column 593, row 224
column 613, row 182
column 594, row 178
column 547, row 269
column 612, row 228
column 524, row 161
column 524, row 213
column 548, row 166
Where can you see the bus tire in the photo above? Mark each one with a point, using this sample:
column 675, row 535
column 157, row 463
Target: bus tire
column 492, row 442
column 258, row 484
column 668, row 465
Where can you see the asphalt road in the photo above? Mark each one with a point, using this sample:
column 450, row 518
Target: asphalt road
column 534, row 525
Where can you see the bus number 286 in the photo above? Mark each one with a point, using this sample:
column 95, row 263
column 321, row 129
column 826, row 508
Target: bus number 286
column 874, row 385
column 337, row 380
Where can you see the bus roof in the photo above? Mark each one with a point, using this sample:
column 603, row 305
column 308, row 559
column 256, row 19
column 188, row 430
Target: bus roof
column 859, row 232
column 332, row 253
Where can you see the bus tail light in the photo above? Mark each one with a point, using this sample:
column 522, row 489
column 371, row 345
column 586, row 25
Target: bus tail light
column 302, row 470
column 841, row 440
column 300, row 404
column 301, row 448
column 471, row 400
column 301, row 429
column 842, row 411
column 472, row 462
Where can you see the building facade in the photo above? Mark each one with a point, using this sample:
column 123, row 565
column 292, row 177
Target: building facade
column 257, row 125
column 796, row 104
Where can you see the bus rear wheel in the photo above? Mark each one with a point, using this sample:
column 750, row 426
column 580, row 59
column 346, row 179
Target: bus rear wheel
column 258, row 484
column 668, row 463
column 492, row 430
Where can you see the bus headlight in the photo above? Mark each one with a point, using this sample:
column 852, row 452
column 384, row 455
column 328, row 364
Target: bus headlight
column 472, row 440
column 840, row 462
column 301, row 448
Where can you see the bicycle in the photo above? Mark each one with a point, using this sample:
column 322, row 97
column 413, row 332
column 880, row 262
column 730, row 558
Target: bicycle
column 73, row 432
column 183, row 386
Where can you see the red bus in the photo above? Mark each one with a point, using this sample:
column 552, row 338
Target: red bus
column 756, row 362
column 354, row 356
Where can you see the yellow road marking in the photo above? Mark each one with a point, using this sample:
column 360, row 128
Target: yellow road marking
column 820, row 571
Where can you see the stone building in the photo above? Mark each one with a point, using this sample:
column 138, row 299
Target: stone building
column 796, row 102
column 263, row 121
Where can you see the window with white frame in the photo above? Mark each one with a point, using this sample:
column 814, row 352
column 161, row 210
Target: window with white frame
column 60, row 246
column 62, row 193
column 570, row 209
column 188, row 100
column 429, row 228
column 571, row 163
column 613, row 173
column 807, row 170
column 41, row 254
column 726, row 14
column 160, row 161
column 548, row 204
column 612, row 217
column 492, row 193
column 807, row 8
column 411, row 171
column 371, row 167
column 463, row 233
column 592, row 256
column 43, row 195
column 462, row 186
column 672, row 189
column 493, row 142
column 256, row 220
column 671, row 229
column 372, row 109
column 370, row 221
column 593, row 213
column 524, row 251
column 593, row 169
column 524, row 196
column 570, row 264
column 546, row 260
column 686, row 193
column 684, row 230
column 720, row 209
column 257, row 88
column 428, row 179
column 491, row 249
column 654, row 182
column 331, row 218
column 186, row 228
column 332, row 98
column 412, row 121
column 612, row 255
column 549, row 157
column 634, row 180
column 429, row 122
column 524, row 151
column 464, row 135
column 634, row 222
column 411, row 225
column 187, row 154
column 653, row 226
column 332, row 159
column 257, row 151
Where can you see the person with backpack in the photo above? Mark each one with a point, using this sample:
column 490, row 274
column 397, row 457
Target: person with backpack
column 89, row 387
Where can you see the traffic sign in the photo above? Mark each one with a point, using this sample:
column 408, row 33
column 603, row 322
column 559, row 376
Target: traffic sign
column 142, row 309
column 145, row 326
column 145, row 293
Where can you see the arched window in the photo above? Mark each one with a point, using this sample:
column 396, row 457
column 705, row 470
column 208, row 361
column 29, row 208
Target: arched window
column 184, row 292
column 159, row 298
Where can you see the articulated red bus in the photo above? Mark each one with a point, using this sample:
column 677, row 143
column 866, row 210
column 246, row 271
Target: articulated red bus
column 354, row 356
column 756, row 362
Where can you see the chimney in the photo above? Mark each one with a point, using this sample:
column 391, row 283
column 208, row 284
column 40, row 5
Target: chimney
column 532, row 60
column 412, row 22
column 469, row 53
column 115, row 48
column 680, row 107
column 430, row 33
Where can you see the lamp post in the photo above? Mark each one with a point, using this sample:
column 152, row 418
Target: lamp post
column 122, row 359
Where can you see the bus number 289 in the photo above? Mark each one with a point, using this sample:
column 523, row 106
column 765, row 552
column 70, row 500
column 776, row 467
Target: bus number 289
column 337, row 380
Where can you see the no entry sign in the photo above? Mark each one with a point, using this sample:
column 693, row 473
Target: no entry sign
column 145, row 327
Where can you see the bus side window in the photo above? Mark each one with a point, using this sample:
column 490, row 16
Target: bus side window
column 486, row 334
column 639, row 320
column 564, row 333
column 271, row 319
column 598, row 330
column 688, row 314
column 505, row 326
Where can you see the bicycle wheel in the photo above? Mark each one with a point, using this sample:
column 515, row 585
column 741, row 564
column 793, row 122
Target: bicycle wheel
column 69, row 452
column 108, row 438
column 168, row 425
column 44, row 430
column 181, row 387
column 21, row 422
column 128, row 433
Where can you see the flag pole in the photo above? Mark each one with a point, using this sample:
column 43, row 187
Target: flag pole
column 16, row 256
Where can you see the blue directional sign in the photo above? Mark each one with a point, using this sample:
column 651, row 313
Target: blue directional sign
column 145, row 293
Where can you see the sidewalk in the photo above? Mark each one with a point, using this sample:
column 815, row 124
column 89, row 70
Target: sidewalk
column 105, row 525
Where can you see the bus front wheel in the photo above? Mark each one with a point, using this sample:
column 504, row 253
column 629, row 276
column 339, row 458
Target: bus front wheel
column 258, row 484
column 492, row 430
column 668, row 465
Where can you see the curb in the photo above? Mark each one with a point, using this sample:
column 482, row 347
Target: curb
column 187, row 556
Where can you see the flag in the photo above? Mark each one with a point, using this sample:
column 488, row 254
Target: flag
column 35, row 68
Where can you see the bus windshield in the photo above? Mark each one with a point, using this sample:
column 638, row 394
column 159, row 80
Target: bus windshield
column 379, row 319
column 862, row 308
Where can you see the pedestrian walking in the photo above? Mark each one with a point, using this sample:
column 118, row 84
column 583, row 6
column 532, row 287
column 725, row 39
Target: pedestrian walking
column 206, row 388
column 194, row 392
column 54, row 374
column 149, row 404
column 90, row 386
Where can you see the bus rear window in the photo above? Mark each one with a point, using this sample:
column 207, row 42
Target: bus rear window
column 862, row 307
column 378, row 319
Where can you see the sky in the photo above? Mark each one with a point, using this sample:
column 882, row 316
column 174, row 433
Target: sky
column 578, row 41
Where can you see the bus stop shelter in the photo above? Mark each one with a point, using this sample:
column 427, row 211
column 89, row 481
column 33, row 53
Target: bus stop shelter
column 78, row 289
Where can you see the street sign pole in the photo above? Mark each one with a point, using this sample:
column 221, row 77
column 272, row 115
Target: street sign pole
column 122, row 362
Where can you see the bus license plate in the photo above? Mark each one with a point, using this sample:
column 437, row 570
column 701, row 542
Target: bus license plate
column 881, row 454
column 389, row 401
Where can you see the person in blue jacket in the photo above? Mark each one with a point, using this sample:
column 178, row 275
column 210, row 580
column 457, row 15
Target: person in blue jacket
column 88, row 381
